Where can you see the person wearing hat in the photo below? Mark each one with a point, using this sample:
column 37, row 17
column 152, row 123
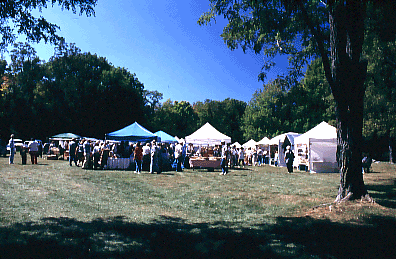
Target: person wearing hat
column 11, row 144
column 289, row 158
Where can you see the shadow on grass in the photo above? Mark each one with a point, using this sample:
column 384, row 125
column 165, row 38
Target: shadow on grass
column 384, row 194
column 174, row 238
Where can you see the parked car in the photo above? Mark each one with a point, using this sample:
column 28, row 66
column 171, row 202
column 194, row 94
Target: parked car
column 18, row 144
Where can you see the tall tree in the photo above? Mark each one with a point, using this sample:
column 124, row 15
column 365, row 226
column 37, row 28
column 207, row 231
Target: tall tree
column 333, row 30
column 16, row 15
column 226, row 116
column 175, row 118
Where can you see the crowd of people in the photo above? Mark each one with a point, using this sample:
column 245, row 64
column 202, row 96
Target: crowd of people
column 153, row 157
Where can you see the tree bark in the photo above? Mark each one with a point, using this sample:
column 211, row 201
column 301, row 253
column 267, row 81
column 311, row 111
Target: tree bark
column 348, row 76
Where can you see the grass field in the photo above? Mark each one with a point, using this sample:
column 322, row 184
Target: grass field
column 52, row 210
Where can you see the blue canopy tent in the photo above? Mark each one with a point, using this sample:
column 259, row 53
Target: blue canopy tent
column 165, row 137
column 134, row 133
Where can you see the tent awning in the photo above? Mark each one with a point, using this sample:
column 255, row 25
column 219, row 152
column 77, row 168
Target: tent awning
column 264, row 141
column 165, row 137
column 321, row 131
column 250, row 143
column 65, row 136
column 207, row 135
column 134, row 132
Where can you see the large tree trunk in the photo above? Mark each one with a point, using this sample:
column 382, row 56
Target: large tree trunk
column 348, row 73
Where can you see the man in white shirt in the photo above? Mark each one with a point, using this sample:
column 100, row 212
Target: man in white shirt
column 33, row 151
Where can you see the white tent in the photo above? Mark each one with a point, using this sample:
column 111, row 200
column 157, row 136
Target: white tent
column 264, row 141
column 237, row 145
column 276, row 144
column 251, row 143
column 316, row 149
column 207, row 135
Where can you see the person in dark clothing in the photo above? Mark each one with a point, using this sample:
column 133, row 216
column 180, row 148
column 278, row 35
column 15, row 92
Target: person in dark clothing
column 289, row 158
column 72, row 152
column 23, row 153
column 366, row 164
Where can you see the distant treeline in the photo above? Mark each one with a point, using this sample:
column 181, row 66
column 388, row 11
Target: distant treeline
column 85, row 94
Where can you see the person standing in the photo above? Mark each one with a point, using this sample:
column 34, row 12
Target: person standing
column 178, row 156
column 276, row 157
column 105, row 155
column 33, row 151
column 241, row 155
column 87, row 154
column 289, row 158
column 224, row 158
column 23, row 153
column 146, row 157
column 11, row 144
column 260, row 156
column 154, row 167
column 72, row 152
column 96, row 155
column 138, row 155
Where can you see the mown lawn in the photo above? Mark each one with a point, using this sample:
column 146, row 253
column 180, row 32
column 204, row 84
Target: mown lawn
column 52, row 210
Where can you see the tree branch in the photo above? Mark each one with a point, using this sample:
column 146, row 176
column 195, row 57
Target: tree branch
column 319, row 38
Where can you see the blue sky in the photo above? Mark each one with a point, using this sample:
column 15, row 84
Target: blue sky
column 162, row 43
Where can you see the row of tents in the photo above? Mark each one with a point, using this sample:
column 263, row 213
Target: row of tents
column 314, row 150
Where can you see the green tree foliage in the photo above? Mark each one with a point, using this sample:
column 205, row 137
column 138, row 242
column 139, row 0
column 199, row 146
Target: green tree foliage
column 73, row 92
column 226, row 116
column 26, row 72
column 380, row 105
column 264, row 114
column 175, row 118
column 279, row 107
column 17, row 19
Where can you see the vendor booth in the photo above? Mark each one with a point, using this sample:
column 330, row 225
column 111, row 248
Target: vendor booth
column 209, row 137
column 134, row 133
column 278, row 145
column 316, row 149
column 60, row 140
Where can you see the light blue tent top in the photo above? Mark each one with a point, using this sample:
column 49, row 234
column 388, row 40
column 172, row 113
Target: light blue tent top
column 65, row 136
column 165, row 137
column 134, row 132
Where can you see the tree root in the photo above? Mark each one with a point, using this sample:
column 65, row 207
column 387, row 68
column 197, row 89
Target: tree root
column 350, row 196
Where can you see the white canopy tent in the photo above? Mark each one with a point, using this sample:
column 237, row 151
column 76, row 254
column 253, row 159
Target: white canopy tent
column 264, row 141
column 207, row 135
column 251, row 143
column 276, row 144
column 237, row 145
column 316, row 149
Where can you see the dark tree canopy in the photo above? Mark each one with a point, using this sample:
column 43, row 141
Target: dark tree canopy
column 17, row 19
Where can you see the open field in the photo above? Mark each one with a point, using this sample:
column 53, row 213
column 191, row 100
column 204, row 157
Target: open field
column 52, row 210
